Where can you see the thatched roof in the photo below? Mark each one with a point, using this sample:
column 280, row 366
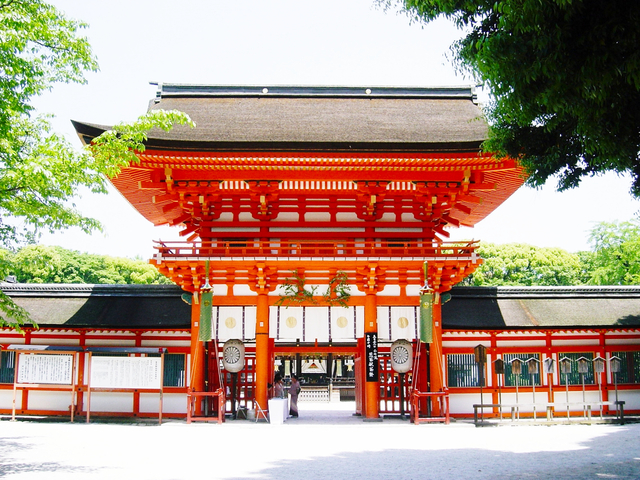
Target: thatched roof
column 497, row 308
column 317, row 118
column 102, row 306
column 474, row 308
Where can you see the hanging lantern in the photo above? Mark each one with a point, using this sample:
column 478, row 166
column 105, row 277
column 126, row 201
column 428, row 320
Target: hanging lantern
column 401, row 356
column 233, row 355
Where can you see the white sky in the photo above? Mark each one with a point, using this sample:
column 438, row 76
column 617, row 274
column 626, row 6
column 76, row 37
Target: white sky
column 283, row 42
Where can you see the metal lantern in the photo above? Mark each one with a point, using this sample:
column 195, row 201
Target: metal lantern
column 583, row 368
column 480, row 352
column 565, row 365
column 614, row 364
column 516, row 369
column 548, row 365
column 533, row 366
column 498, row 366
column 516, row 366
column 598, row 364
column 583, row 365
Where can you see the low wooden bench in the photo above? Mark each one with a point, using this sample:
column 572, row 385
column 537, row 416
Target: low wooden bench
column 587, row 408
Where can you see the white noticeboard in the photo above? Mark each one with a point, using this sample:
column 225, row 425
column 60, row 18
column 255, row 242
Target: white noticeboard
column 126, row 372
column 45, row 369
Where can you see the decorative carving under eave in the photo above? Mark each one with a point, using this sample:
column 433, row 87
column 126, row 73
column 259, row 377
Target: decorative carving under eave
column 370, row 194
column 263, row 279
column 264, row 194
column 371, row 279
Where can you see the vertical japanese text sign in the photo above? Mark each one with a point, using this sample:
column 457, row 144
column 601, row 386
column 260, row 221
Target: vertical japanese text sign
column 371, row 350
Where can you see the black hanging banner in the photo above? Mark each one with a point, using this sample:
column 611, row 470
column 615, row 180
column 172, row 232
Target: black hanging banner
column 371, row 350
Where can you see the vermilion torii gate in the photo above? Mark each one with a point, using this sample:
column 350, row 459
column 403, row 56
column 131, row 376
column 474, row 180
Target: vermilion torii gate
column 320, row 182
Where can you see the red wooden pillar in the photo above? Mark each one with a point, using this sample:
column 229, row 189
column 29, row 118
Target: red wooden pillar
column 421, row 370
column 435, row 357
column 197, row 354
column 371, row 389
column 262, row 350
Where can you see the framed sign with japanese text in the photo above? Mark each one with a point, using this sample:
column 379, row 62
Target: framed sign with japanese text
column 126, row 372
column 371, row 351
column 45, row 369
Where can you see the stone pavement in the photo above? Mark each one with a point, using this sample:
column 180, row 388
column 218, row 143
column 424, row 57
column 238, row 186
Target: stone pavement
column 323, row 443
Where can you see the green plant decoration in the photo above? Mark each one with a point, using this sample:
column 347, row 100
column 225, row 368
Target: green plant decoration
column 338, row 291
column 295, row 291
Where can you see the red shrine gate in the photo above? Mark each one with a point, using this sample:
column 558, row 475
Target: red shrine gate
column 319, row 187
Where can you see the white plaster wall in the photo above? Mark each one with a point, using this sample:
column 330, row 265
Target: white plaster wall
column 171, row 403
column 121, row 402
column 463, row 402
column 631, row 398
column 43, row 400
column 6, row 398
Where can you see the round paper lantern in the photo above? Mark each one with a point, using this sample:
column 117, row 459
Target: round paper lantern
column 401, row 356
column 233, row 356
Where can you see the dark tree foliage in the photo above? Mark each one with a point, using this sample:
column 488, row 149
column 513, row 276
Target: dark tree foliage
column 564, row 77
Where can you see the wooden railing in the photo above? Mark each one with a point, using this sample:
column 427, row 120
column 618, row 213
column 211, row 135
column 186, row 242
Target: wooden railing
column 418, row 398
column 310, row 248
column 192, row 406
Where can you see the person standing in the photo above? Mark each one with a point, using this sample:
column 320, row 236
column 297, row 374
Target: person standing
column 294, row 390
column 278, row 387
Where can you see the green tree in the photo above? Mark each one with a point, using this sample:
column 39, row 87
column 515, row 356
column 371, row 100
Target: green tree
column 616, row 253
column 43, row 264
column 525, row 265
column 40, row 172
column 564, row 78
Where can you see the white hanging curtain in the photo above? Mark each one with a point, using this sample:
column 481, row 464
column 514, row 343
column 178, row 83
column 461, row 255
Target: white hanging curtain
column 403, row 323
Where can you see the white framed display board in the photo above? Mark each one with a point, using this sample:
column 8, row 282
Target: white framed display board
column 112, row 372
column 46, row 367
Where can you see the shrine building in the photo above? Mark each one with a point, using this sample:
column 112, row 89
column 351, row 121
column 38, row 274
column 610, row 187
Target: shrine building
column 314, row 226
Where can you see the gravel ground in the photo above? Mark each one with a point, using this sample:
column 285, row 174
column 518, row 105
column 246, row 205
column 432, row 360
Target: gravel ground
column 321, row 444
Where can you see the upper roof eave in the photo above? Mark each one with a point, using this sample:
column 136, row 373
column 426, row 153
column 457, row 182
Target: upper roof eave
column 88, row 131
column 309, row 91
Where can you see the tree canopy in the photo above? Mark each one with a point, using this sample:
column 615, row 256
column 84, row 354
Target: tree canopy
column 564, row 78
column 526, row 265
column 43, row 264
column 40, row 171
column 614, row 259
column 616, row 253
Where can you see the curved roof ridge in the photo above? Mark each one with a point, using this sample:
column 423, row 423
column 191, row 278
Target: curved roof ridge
column 271, row 90
column 85, row 289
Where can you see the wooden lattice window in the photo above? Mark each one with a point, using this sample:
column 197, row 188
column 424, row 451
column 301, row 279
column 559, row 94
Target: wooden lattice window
column 7, row 366
column 574, row 377
column 524, row 378
column 462, row 370
column 629, row 367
